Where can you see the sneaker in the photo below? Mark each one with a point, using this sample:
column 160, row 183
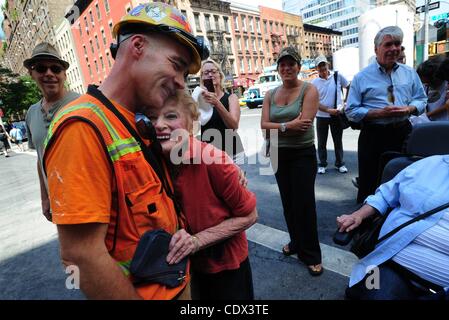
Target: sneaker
column 321, row 170
column 355, row 182
column 342, row 169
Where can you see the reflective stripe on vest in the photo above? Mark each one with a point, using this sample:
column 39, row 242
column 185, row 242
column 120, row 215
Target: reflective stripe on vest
column 117, row 149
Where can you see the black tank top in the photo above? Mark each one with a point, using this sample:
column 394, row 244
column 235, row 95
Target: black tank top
column 222, row 133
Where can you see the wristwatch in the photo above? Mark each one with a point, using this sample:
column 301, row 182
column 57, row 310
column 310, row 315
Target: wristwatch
column 283, row 127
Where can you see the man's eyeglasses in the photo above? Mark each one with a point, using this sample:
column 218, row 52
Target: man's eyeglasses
column 210, row 72
column 43, row 69
column 390, row 95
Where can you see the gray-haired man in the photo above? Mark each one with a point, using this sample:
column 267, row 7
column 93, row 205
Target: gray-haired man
column 382, row 97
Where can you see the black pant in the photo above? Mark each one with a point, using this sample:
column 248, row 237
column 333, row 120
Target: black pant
column 225, row 285
column 296, row 181
column 373, row 141
column 322, row 130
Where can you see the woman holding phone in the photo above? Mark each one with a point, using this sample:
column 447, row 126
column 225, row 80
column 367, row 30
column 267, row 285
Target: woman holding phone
column 221, row 129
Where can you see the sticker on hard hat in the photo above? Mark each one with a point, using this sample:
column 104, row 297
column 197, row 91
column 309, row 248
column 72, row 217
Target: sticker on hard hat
column 136, row 11
column 181, row 20
column 155, row 13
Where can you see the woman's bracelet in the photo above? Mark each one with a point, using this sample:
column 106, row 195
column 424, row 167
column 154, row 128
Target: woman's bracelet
column 196, row 243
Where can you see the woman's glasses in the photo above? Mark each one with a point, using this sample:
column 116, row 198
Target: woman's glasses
column 210, row 72
column 40, row 68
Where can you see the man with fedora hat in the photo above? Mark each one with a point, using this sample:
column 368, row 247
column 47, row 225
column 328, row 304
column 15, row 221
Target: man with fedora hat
column 329, row 85
column 49, row 71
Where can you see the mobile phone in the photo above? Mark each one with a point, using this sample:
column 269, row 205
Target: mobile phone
column 209, row 84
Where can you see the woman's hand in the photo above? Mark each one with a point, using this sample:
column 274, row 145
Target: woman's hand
column 242, row 178
column 300, row 124
column 348, row 222
column 181, row 245
column 210, row 97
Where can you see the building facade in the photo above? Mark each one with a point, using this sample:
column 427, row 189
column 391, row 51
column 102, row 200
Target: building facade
column 321, row 41
column 248, row 44
column 92, row 34
column 28, row 23
column 340, row 15
column 66, row 47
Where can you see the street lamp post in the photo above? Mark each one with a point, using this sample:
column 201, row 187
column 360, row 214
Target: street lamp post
column 426, row 31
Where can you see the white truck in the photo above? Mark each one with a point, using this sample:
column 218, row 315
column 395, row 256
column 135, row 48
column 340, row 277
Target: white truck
column 268, row 80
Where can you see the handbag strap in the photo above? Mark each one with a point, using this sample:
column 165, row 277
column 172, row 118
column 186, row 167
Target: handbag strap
column 417, row 218
column 336, row 88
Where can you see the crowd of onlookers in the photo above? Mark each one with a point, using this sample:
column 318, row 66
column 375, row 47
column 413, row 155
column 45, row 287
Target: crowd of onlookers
column 109, row 178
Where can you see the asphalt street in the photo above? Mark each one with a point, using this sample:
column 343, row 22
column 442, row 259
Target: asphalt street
column 30, row 265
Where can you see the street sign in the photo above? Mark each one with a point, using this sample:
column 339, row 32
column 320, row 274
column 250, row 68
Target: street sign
column 432, row 6
column 438, row 17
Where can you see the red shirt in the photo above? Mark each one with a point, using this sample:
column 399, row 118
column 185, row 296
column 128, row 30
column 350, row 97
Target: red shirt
column 210, row 192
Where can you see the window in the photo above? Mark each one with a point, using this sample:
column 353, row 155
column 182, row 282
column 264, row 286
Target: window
column 102, row 63
column 96, row 41
column 207, row 17
column 85, row 49
column 250, row 68
column 260, row 45
column 226, row 24
column 91, row 46
column 103, row 35
column 197, row 22
column 91, row 17
column 87, row 24
column 98, row 11
column 96, row 65
column 110, row 26
column 236, row 22
column 109, row 59
column 106, row 5
column 251, row 24
column 258, row 25
column 81, row 29
column 239, row 44
column 242, row 66
column 228, row 46
column 246, row 44
column 90, row 70
column 244, row 23
column 217, row 23
column 253, row 42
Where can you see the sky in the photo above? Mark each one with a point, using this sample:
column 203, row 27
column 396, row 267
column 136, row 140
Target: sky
column 276, row 4
column 1, row 19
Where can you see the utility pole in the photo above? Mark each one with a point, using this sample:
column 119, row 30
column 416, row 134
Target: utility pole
column 426, row 31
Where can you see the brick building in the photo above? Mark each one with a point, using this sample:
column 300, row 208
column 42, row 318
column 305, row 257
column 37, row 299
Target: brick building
column 321, row 41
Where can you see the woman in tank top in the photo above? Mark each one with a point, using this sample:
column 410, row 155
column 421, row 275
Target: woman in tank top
column 288, row 112
column 221, row 129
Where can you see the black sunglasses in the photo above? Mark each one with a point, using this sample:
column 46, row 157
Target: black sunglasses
column 40, row 68
column 390, row 94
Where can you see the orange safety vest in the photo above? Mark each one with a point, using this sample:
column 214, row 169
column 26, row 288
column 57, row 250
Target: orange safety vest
column 140, row 203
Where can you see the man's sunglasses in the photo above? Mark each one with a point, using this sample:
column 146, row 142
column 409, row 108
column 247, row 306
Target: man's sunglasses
column 390, row 96
column 43, row 69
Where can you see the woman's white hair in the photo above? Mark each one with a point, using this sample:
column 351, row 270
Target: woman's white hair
column 392, row 31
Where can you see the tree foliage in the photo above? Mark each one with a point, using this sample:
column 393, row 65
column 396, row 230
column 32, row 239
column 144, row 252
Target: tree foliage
column 17, row 93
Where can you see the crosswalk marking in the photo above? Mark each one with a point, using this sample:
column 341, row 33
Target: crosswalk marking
column 334, row 259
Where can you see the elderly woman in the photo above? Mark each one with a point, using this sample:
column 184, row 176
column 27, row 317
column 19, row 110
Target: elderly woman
column 217, row 207
column 226, row 113
column 417, row 256
column 290, row 109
